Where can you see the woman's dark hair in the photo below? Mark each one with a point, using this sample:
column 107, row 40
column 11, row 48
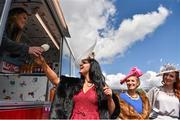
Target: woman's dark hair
column 98, row 79
column 12, row 31
column 95, row 73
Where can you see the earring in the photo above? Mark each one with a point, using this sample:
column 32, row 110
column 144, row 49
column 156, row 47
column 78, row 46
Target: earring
column 162, row 82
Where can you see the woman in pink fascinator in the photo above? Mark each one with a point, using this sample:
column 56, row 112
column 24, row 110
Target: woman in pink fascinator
column 133, row 104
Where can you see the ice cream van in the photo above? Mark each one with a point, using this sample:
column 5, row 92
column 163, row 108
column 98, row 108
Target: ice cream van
column 25, row 91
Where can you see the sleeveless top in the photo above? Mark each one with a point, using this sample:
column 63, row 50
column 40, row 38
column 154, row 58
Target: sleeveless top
column 85, row 105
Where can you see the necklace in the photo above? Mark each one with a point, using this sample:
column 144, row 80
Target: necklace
column 168, row 92
column 133, row 98
column 90, row 85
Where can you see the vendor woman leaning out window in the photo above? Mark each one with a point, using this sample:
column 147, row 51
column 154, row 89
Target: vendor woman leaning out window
column 16, row 21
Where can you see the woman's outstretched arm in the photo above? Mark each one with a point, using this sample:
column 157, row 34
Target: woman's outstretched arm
column 52, row 76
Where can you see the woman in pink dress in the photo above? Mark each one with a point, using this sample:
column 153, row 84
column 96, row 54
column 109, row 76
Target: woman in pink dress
column 87, row 97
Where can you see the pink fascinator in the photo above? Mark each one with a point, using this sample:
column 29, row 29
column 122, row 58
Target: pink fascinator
column 133, row 72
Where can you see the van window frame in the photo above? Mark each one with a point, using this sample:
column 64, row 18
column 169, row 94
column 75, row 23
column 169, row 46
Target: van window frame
column 3, row 18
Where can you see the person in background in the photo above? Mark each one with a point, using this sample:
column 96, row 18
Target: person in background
column 87, row 97
column 133, row 104
column 16, row 21
column 165, row 104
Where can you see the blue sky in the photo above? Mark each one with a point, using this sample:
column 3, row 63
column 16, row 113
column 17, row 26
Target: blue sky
column 142, row 33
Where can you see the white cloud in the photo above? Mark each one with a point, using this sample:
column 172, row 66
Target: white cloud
column 84, row 18
column 129, row 32
column 113, row 80
column 148, row 80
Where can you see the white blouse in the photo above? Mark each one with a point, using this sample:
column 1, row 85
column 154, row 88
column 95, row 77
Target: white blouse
column 164, row 105
column 168, row 104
